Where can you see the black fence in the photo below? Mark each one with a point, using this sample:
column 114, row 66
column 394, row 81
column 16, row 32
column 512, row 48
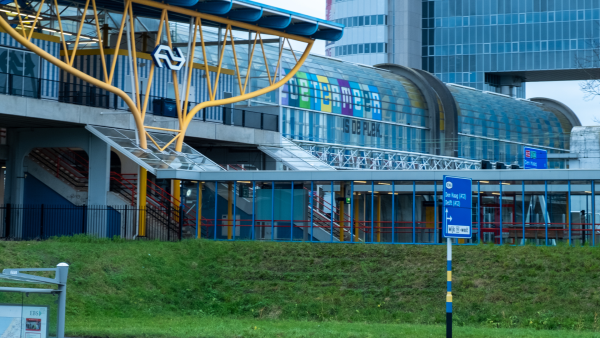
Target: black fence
column 250, row 119
column 39, row 222
column 88, row 95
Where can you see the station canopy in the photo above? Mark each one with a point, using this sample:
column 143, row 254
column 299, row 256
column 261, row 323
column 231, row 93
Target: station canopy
column 239, row 10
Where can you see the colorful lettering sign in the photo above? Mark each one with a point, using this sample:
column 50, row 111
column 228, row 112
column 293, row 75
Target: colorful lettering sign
column 337, row 96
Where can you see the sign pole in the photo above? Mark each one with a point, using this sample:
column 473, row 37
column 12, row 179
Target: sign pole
column 457, row 223
column 449, row 291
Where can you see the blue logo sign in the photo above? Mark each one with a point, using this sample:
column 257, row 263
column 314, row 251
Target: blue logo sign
column 174, row 61
column 535, row 158
column 457, row 207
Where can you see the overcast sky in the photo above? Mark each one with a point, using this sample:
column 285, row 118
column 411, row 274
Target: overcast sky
column 568, row 92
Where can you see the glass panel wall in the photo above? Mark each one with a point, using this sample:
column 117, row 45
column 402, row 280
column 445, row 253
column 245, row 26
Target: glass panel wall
column 322, row 210
column 504, row 212
column 425, row 212
column 535, row 212
column 403, row 207
column 361, row 211
column 558, row 215
column 264, row 227
column 490, row 211
column 301, row 211
column 580, row 212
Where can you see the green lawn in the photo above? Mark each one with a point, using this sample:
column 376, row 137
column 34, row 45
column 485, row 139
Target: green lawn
column 136, row 285
column 247, row 328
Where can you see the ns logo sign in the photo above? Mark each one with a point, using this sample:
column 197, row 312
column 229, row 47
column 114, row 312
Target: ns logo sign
column 162, row 54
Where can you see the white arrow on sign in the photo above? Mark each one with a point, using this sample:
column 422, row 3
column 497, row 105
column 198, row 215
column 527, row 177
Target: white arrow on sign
column 448, row 218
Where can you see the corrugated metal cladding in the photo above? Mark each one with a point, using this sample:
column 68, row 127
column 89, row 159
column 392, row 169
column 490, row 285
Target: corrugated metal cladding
column 162, row 83
column 49, row 71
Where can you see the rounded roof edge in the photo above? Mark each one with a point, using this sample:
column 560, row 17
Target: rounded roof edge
column 423, row 85
column 563, row 108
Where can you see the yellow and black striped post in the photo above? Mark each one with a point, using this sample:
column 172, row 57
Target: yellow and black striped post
column 449, row 291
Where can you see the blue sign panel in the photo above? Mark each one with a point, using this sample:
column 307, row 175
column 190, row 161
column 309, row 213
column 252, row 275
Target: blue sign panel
column 535, row 158
column 457, row 207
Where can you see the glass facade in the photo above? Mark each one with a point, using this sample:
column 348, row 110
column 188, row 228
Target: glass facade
column 464, row 39
column 401, row 212
column 495, row 127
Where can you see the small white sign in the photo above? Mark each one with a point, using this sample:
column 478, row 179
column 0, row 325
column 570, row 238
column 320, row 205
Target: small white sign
column 459, row 229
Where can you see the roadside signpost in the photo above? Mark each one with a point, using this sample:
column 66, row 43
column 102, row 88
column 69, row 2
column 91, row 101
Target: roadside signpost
column 535, row 158
column 456, row 224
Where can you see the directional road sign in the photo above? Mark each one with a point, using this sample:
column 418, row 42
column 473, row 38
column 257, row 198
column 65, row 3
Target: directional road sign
column 457, row 207
column 535, row 158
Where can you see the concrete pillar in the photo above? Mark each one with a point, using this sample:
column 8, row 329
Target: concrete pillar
column 99, row 174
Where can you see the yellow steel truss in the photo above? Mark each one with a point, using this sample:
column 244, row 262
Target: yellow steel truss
column 136, row 104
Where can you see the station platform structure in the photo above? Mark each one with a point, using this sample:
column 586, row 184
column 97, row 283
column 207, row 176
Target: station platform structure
column 98, row 137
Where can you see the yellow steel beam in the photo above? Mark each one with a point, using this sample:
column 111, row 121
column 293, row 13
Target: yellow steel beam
column 87, row 3
column 75, row 72
column 37, row 16
column 189, row 75
column 134, row 56
column 237, row 68
column 220, row 64
column 100, row 44
column 62, row 33
column 152, row 67
column 265, row 58
column 243, row 97
column 19, row 16
column 118, row 45
column 250, row 64
column 207, row 74
column 174, row 73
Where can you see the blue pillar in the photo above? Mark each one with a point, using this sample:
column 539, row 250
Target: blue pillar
column 253, row 237
column 414, row 235
column 546, row 211
column 523, row 208
column 593, row 213
column 393, row 211
column 372, row 211
column 569, row 214
column 501, row 234
column 216, row 209
column 292, row 213
column 351, row 211
column 234, row 221
column 272, row 210
column 332, row 213
column 479, row 212
column 198, row 210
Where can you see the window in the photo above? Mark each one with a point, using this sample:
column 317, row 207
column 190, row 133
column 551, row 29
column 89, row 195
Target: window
column 361, row 21
column 373, row 20
column 355, row 21
column 360, row 48
column 458, row 49
column 345, row 51
column 367, row 20
column 367, row 48
column 354, row 49
column 573, row 44
column 380, row 20
column 380, row 47
column 373, row 48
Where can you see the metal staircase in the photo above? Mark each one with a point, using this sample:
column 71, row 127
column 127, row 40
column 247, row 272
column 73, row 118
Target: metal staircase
column 162, row 212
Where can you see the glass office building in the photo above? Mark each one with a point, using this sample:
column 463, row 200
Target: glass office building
column 492, row 45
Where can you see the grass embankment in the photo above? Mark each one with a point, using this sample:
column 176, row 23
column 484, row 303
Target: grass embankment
column 297, row 284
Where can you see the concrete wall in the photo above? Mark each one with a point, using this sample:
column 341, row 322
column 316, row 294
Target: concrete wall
column 74, row 115
column 585, row 142
column 404, row 32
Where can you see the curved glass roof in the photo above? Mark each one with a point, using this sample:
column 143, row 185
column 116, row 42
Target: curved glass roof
column 505, row 118
column 240, row 10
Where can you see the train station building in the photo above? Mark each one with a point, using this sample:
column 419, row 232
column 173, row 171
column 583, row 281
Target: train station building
column 193, row 119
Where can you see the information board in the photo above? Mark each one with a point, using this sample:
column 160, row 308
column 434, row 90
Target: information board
column 535, row 158
column 18, row 321
column 457, row 207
